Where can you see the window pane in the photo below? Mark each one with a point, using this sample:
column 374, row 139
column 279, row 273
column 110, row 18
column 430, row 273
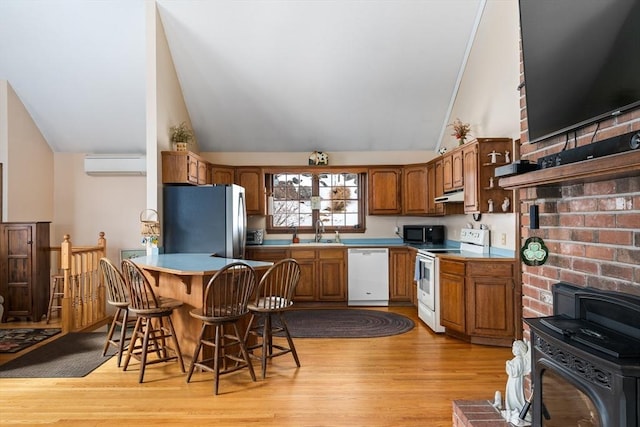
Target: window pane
column 338, row 192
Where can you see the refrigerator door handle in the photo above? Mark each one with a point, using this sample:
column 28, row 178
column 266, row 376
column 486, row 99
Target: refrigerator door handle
column 242, row 224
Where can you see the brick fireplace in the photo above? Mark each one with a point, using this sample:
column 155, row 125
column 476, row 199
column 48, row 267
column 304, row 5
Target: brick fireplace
column 590, row 225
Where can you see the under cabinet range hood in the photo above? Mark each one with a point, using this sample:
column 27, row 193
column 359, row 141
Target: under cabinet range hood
column 451, row 197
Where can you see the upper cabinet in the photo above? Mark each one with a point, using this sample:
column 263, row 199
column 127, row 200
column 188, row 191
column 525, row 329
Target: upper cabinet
column 415, row 190
column 252, row 179
column 222, row 174
column 385, row 185
column 184, row 167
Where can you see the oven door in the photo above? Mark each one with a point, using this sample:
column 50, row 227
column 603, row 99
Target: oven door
column 427, row 280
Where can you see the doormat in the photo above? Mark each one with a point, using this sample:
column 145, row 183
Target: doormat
column 73, row 355
column 15, row 340
column 345, row 323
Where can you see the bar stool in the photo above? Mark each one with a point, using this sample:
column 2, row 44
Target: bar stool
column 224, row 303
column 56, row 293
column 150, row 328
column 118, row 297
column 274, row 296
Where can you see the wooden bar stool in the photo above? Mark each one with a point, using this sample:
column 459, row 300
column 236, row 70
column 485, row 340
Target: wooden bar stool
column 224, row 303
column 118, row 297
column 56, row 293
column 154, row 326
column 274, row 296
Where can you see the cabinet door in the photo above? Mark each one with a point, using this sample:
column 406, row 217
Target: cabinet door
column 457, row 174
column 447, row 172
column 470, row 171
column 25, row 269
column 439, row 186
column 402, row 287
column 452, row 302
column 414, row 190
column 431, row 188
column 252, row 179
column 222, row 174
column 491, row 284
column 306, row 288
column 331, row 276
column 193, row 170
column 384, row 191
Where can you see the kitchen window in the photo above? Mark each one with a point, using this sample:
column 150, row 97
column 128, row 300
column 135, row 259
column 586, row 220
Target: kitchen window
column 302, row 197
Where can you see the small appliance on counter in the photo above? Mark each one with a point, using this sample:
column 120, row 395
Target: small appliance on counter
column 255, row 236
column 423, row 234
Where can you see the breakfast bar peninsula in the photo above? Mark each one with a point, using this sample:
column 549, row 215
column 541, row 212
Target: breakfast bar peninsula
column 184, row 276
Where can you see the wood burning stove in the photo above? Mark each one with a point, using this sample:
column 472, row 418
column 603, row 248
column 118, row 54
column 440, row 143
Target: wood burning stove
column 586, row 360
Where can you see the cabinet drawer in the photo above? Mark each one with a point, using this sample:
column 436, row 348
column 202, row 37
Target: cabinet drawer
column 303, row 253
column 490, row 268
column 452, row 267
column 331, row 253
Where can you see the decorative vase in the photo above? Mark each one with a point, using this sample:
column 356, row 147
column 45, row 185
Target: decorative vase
column 181, row 146
column 460, row 142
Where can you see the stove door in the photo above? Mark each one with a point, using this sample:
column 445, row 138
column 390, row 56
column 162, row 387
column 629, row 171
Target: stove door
column 427, row 280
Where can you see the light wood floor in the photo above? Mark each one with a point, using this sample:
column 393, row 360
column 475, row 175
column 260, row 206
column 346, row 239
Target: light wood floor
column 404, row 380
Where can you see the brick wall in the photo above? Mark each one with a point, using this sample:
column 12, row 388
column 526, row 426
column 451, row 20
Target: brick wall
column 592, row 229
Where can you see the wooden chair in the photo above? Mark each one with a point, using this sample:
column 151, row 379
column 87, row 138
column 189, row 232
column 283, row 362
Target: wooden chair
column 224, row 303
column 118, row 297
column 274, row 296
column 150, row 327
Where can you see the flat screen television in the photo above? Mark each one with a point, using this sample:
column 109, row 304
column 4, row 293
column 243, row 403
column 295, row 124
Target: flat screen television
column 581, row 62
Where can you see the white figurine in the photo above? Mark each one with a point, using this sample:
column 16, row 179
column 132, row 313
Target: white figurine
column 507, row 159
column 517, row 368
column 494, row 156
column 505, row 204
column 490, row 201
column 491, row 182
column 497, row 400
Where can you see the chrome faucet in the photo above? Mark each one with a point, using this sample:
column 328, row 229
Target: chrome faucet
column 319, row 230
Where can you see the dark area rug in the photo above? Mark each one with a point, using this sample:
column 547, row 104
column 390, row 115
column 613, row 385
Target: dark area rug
column 346, row 323
column 73, row 355
column 14, row 340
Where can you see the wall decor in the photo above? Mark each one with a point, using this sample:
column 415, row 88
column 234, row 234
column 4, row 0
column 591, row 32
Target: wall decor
column 318, row 158
column 534, row 252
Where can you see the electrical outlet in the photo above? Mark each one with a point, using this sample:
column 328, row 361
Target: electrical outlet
column 503, row 239
column 397, row 229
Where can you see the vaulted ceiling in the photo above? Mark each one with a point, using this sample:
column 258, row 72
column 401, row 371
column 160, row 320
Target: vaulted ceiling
column 256, row 75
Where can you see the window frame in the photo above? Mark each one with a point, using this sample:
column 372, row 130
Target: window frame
column 316, row 170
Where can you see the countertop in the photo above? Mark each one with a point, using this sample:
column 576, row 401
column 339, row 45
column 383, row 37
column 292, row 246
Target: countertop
column 191, row 264
column 495, row 253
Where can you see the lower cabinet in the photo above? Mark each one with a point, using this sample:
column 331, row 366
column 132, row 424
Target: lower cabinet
column 477, row 300
column 323, row 274
column 402, row 287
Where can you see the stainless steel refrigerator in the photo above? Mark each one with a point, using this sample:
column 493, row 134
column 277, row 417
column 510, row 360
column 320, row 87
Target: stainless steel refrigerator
column 204, row 219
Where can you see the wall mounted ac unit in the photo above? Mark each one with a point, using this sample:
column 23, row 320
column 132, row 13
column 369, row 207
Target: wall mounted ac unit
column 115, row 164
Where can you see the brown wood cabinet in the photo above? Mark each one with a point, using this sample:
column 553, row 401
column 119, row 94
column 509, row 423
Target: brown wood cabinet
column 222, row 174
column 402, row 287
column 184, row 167
column 477, row 300
column 415, row 190
column 25, row 270
column 385, row 192
column 447, row 172
column 252, row 179
column 452, row 295
column 323, row 274
column 432, row 206
column 457, row 176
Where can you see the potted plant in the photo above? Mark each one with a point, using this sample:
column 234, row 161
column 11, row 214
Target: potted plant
column 181, row 136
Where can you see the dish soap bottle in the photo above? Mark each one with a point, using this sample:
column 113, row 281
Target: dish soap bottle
column 337, row 240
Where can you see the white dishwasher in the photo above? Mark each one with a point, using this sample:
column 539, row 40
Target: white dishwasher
column 368, row 276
